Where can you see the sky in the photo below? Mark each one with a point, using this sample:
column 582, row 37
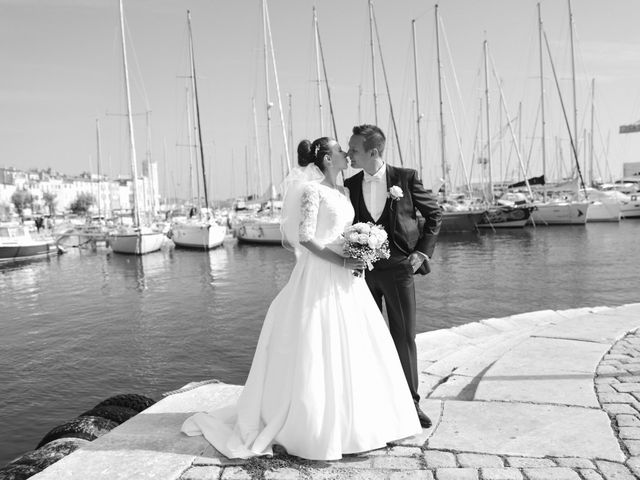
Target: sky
column 63, row 82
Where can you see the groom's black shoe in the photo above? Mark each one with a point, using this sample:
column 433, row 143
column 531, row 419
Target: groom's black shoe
column 425, row 422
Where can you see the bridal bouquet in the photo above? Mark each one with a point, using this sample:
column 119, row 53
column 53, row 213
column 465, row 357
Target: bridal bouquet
column 367, row 242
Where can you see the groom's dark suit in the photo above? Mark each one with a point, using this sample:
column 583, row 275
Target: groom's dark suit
column 392, row 279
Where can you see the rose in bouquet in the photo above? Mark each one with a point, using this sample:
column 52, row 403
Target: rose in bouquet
column 365, row 241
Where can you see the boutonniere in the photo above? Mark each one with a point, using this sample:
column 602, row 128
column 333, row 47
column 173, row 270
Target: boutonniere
column 395, row 193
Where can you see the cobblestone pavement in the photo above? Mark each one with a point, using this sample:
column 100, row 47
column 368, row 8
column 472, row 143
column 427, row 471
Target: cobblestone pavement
column 617, row 385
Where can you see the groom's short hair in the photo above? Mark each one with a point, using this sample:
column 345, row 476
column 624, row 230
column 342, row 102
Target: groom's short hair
column 373, row 137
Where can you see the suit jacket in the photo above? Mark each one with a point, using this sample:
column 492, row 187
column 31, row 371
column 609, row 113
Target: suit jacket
column 407, row 232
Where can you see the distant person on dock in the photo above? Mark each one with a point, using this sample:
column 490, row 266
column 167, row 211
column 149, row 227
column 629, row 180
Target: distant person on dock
column 392, row 197
column 325, row 379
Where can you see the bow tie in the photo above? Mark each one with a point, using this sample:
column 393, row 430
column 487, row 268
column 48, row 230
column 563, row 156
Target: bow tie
column 372, row 178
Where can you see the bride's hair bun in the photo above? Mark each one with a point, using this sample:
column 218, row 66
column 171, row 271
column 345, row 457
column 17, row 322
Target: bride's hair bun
column 305, row 156
column 314, row 152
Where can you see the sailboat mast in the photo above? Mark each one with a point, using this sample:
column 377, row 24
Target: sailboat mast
column 268, row 98
column 442, row 144
column 373, row 62
column 418, row 114
column 593, row 97
column 486, row 93
column 98, row 152
column 132, row 143
column 258, row 161
column 286, row 159
column 195, row 95
column 573, row 77
column 543, row 124
column 326, row 81
column 317, row 51
column 190, row 144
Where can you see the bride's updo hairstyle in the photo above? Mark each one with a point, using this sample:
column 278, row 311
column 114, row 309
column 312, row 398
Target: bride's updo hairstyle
column 314, row 152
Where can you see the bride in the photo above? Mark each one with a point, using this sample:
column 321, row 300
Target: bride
column 325, row 379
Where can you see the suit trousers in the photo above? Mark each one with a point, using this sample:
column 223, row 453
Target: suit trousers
column 396, row 287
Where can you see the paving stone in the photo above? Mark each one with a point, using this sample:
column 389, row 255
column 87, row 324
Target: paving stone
column 627, row 421
column 616, row 408
column 501, row 474
column 411, row 475
column 614, row 471
column 524, row 462
column 574, row 462
column 626, row 387
column 632, row 433
column 605, row 369
column 479, row 460
column 397, row 463
column 353, row 462
column 606, row 379
column 405, row 451
column 616, row 397
column 282, row 474
column 438, row 459
column 633, row 446
column 628, row 379
column 588, row 474
column 557, row 473
column 235, row 473
column 456, row 474
column 201, row 473
column 634, row 464
column 607, row 388
column 342, row 474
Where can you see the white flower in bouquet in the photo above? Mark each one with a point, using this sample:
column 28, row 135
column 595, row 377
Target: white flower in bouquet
column 366, row 241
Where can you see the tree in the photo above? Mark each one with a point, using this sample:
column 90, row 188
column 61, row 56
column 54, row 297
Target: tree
column 50, row 201
column 82, row 203
column 21, row 199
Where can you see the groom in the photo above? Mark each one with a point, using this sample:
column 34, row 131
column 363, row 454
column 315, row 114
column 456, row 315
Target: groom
column 391, row 197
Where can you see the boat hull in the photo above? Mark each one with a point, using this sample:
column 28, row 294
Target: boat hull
column 505, row 217
column 460, row 221
column 135, row 243
column 196, row 235
column 562, row 213
column 603, row 212
column 260, row 232
column 632, row 208
column 17, row 251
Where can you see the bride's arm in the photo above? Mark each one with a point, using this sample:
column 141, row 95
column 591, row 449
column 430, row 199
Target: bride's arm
column 309, row 206
column 331, row 256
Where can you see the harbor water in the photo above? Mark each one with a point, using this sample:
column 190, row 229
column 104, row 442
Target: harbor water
column 86, row 325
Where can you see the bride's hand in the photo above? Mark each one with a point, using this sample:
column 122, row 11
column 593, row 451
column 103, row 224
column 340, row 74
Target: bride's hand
column 354, row 263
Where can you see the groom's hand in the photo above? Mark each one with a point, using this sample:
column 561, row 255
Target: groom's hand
column 417, row 259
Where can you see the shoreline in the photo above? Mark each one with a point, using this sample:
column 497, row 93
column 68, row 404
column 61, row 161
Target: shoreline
column 545, row 394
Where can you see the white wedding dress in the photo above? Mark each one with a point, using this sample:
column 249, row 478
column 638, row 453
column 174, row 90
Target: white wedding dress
column 325, row 379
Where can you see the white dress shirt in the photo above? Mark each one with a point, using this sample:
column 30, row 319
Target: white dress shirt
column 374, row 190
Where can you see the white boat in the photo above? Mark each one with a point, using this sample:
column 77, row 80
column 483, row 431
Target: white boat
column 631, row 208
column 559, row 213
column 17, row 243
column 264, row 230
column 604, row 207
column 198, row 234
column 201, row 230
column 603, row 211
column 137, row 239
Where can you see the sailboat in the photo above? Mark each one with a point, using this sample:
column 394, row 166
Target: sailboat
column 560, row 211
column 201, row 231
column 265, row 228
column 137, row 239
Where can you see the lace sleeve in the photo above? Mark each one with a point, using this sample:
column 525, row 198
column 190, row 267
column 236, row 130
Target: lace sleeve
column 308, row 213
